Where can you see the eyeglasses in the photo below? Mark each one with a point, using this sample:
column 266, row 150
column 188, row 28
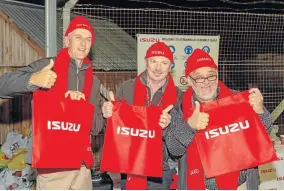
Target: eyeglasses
column 202, row 80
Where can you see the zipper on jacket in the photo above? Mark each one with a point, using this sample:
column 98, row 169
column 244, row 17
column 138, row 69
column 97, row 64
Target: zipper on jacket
column 77, row 81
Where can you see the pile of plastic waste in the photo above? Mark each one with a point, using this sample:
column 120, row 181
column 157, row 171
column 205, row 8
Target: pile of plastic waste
column 15, row 173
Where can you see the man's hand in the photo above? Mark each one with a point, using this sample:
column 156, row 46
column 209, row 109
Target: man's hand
column 165, row 117
column 256, row 100
column 198, row 120
column 45, row 78
column 107, row 108
column 75, row 95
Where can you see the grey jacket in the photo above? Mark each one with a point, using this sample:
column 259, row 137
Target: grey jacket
column 180, row 135
column 17, row 83
column 126, row 91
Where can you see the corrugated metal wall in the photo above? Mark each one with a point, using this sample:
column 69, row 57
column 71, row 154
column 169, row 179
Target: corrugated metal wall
column 111, row 80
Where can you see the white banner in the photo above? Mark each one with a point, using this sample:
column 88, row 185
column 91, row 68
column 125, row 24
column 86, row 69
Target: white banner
column 182, row 46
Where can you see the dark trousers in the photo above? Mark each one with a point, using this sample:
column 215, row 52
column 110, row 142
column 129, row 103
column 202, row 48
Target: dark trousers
column 154, row 183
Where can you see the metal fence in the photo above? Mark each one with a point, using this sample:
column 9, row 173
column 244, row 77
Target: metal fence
column 251, row 45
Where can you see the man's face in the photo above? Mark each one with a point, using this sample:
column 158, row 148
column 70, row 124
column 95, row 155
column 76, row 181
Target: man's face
column 204, row 82
column 79, row 43
column 158, row 68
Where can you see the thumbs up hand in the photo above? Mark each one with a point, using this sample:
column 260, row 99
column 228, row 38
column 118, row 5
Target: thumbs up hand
column 107, row 108
column 165, row 117
column 45, row 78
column 198, row 120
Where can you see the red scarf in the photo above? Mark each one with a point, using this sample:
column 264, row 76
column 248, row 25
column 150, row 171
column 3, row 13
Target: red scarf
column 61, row 68
column 142, row 96
column 195, row 174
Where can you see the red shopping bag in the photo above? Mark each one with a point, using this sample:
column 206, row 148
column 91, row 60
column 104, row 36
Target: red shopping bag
column 235, row 138
column 61, row 131
column 133, row 141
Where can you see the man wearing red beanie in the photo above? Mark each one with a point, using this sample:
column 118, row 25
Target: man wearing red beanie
column 154, row 86
column 202, row 77
column 79, row 38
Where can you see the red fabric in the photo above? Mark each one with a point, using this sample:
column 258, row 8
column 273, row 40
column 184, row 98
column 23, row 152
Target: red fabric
column 61, row 66
column 82, row 23
column 54, row 144
column 195, row 176
column 244, row 142
column 133, row 141
column 199, row 59
column 160, row 49
column 140, row 98
column 225, row 155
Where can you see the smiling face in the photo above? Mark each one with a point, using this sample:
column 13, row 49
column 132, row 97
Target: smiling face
column 204, row 82
column 158, row 68
column 79, row 43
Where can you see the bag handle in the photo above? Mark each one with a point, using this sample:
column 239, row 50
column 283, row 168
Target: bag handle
column 241, row 97
column 237, row 98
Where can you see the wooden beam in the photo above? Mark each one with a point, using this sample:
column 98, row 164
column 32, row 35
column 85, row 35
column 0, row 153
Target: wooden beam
column 25, row 36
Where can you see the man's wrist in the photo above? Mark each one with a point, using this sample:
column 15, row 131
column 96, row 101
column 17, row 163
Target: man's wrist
column 31, row 85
